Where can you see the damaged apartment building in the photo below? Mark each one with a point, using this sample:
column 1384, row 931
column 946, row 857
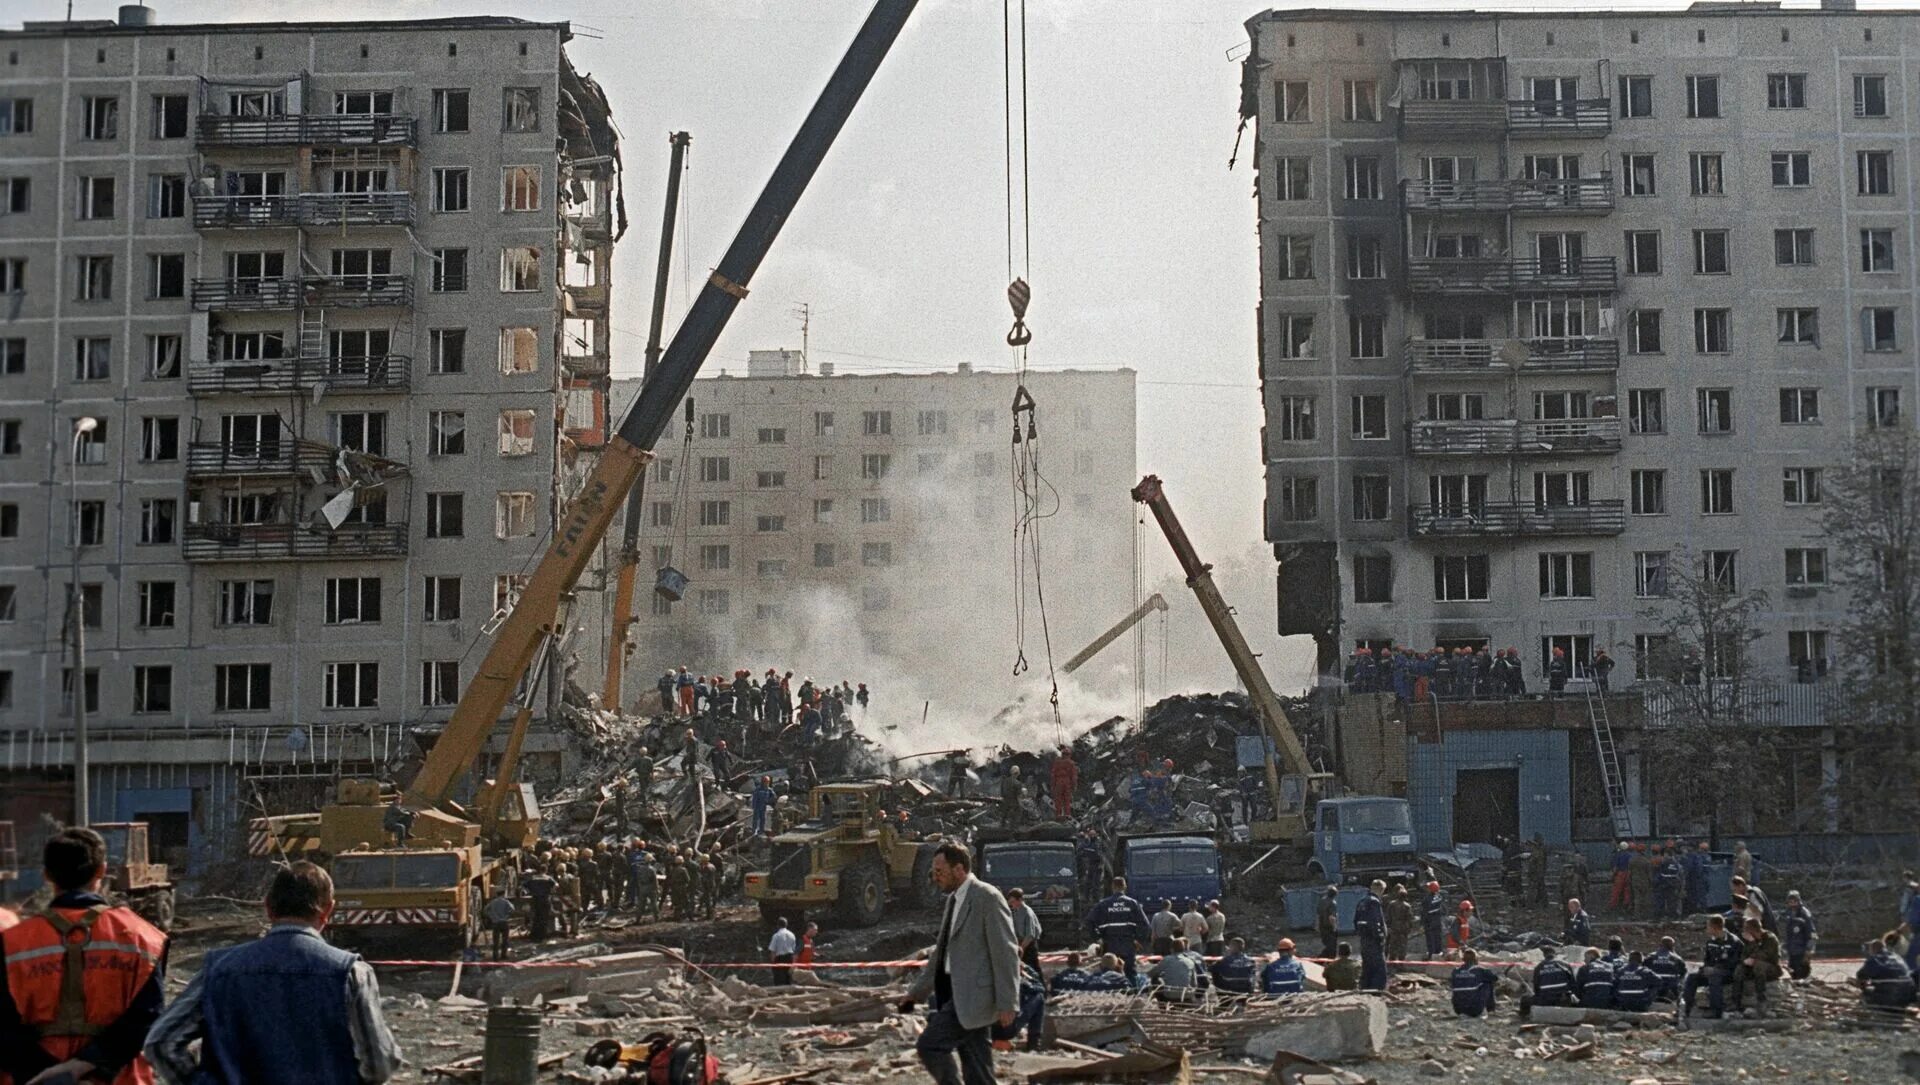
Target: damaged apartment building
column 1551, row 302
column 334, row 298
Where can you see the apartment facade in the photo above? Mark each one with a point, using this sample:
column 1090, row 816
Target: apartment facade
column 334, row 296
column 1552, row 302
column 860, row 527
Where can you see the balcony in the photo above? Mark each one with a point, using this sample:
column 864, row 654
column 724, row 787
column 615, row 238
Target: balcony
column 303, row 209
column 1569, row 436
column 1498, row 275
column 1480, row 519
column 283, row 456
column 1521, row 195
column 1508, row 436
column 1454, row 118
column 281, row 376
column 1565, row 118
column 322, row 291
column 1483, row 357
column 292, row 542
column 307, row 129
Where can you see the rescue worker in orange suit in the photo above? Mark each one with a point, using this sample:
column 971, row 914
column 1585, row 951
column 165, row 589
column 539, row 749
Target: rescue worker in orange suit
column 1066, row 777
column 87, row 1025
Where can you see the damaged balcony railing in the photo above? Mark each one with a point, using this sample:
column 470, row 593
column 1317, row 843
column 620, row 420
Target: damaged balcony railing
column 361, row 291
column 292, row 542
column 1547, row 195
column 292, row 129
column 1500, row 275
column 1504, row 436
column 1484, row 518
column 1482, row 357
column 271, row 376
column 304, row 209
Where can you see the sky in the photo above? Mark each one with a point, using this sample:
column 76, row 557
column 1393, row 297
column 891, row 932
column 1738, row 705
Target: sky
column 1143, row 246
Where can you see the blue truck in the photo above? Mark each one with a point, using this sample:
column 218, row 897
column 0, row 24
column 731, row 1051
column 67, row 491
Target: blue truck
column 1361, row 838
column 1170, row 866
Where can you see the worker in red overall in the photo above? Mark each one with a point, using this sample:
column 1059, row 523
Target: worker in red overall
column 1066, row 777
column 82, row 981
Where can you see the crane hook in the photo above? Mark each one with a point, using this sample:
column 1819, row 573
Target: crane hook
column 1018, row 295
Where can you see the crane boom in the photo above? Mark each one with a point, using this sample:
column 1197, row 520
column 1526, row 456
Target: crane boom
column 623, row 616
column 1154, row 602
column 1247, row 665
column 584, row 521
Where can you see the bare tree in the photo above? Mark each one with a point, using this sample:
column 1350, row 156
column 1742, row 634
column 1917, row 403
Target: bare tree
column 1872, row 519
column 1705, row 753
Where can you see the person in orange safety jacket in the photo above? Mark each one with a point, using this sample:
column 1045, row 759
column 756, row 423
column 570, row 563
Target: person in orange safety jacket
column 82, row 981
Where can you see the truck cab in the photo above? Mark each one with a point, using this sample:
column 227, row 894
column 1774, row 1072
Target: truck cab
column 1039, row 861
column 1357, row 839
column 1171, row 866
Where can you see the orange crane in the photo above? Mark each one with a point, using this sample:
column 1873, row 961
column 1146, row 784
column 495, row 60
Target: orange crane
column 584, row 522
column 441, row 870
column 623, row 615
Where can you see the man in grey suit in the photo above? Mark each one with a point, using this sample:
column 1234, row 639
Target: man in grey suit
column 973, row 979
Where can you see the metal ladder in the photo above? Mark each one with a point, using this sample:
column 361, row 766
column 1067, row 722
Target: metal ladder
column 1610, row 774
column 313, row 333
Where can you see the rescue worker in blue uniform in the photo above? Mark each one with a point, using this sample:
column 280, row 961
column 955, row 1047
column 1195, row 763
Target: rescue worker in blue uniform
column 1717, row 959
column 1801, row 933
column 1884, row 980
column 1370, row 923
column 1634, row 986
column 1284, row 975
column 1666, row 964
column 1120, row 925
column 1472, row 985
column 1595, row 982
column 1233, row 972
column 1433, row 917
column 1071, row 978
column 1552, row 980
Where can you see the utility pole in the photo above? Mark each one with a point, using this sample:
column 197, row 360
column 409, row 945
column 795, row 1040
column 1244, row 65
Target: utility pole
column 805, row 313
column 77, row 617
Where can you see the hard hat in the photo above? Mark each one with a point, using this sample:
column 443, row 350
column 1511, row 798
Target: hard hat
column 1433, row 887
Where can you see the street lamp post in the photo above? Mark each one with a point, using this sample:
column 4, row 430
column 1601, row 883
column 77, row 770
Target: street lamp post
column 78, row 617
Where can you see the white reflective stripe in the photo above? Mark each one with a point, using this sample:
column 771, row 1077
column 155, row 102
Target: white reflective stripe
column 90, row 947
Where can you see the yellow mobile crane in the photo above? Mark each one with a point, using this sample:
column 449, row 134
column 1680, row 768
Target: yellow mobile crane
column 458, row 872
column 1349, row 837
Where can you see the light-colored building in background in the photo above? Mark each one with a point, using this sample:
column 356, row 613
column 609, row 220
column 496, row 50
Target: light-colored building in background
column 1550, row 302
column 860, row 527
column 336, row 293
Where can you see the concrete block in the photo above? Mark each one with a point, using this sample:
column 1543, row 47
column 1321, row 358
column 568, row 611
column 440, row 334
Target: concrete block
column 1350, row 1030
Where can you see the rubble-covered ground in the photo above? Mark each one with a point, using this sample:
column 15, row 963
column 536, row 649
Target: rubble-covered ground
column 623, row 979
column 760, row 1032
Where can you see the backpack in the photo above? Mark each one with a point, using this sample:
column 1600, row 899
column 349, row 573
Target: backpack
column 661, row 1058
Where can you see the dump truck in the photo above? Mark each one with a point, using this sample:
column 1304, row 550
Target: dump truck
column 1039, row 861
column 844, row 857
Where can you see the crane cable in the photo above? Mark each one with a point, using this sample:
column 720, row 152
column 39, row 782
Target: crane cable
column 1031, row 488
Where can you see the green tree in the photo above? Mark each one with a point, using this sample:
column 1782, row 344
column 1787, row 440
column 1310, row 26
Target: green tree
column 1705, row 751
column 1871, row 513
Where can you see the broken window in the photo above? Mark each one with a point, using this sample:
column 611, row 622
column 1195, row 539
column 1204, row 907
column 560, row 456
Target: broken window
column 519, row 269
column 520, row 109
column 513, row 515
column 95, row 198
column 520, row 188
column 448, row 432
column 100, row 118
column 95, row 274
column 92, row 358
column 516, row 433
column 158, row 516
column 519, row 350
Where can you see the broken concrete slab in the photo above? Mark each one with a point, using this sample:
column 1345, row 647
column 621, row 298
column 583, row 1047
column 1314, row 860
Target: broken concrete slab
column 1348, row 1029
column 1580, row 1015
